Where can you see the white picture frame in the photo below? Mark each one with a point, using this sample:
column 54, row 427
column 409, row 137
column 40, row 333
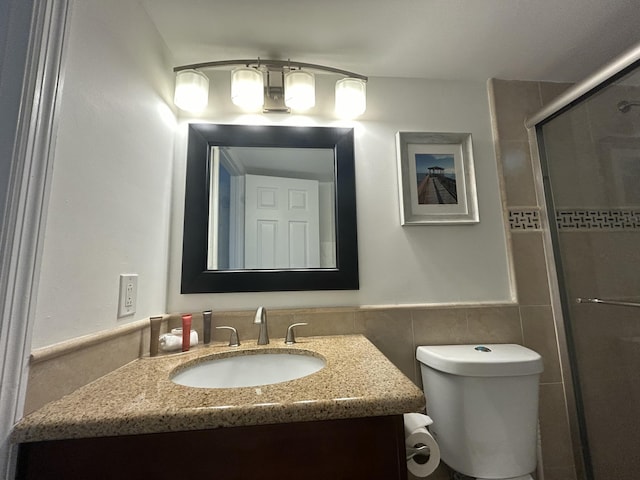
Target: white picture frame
column 436, row 178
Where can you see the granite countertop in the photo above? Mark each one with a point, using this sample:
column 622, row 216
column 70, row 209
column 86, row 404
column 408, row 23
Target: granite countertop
column 140, row 398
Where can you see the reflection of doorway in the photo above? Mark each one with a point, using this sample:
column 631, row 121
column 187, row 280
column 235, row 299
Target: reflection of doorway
column 281, row 223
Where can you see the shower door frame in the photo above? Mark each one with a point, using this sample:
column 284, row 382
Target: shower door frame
column 574, row 95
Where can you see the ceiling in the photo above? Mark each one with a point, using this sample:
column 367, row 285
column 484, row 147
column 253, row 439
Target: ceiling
column 308, row 163
column 553, row 40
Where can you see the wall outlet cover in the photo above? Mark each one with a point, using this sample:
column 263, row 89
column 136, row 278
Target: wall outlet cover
column 127, row 299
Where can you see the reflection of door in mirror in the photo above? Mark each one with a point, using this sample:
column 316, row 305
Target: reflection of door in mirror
column 271, row 208
column 281, row 223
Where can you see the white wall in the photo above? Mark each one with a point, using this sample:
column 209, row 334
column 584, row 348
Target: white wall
column 110, row 197
column 398, row 265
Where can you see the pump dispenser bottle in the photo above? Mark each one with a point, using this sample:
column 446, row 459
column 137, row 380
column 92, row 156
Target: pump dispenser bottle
column 206, row 326
column 186, row 332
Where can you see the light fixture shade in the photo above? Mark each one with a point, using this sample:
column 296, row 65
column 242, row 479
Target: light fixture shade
column 192, row 91
column 247, row 88
column 351, row 97
column 299, row 90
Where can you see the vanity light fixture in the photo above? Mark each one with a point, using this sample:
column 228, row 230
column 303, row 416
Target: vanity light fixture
column 299, row 90
column 192, row 90
column 270, row 85
column 247, row 88
column 351, row 97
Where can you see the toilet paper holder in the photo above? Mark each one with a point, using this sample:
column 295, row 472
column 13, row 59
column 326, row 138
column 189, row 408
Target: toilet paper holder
column 421, row 450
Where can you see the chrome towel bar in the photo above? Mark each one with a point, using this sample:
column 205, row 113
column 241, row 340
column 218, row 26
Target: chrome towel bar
column 607, row 302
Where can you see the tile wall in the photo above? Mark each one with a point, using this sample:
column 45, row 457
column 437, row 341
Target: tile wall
column 511, row 103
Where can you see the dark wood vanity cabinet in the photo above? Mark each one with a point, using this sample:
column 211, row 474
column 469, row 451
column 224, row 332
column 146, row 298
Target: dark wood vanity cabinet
column 368, row 448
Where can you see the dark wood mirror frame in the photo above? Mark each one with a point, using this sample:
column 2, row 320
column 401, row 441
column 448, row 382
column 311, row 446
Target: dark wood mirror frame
column 195, row 276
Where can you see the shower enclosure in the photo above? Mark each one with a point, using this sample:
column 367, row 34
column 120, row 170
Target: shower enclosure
column 590, row 156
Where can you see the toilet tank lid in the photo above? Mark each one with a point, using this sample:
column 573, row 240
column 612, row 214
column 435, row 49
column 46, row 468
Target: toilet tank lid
column 494, row 360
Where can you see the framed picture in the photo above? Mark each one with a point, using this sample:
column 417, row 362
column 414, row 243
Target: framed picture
column 436, row 178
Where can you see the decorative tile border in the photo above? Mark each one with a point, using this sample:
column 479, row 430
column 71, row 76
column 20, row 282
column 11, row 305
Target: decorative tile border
column 598, row 219
column 574, row 220
column 524, row 219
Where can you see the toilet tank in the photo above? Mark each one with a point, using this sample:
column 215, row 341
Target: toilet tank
column 484, row 404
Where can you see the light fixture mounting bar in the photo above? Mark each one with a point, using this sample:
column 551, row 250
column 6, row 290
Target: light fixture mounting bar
column 270, row 64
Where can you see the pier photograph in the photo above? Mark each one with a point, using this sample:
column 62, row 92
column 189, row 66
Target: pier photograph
column 436, row 179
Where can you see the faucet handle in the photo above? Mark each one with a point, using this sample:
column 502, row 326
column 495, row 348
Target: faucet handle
column 261, row 315
column 291, row 338
column 234, row 340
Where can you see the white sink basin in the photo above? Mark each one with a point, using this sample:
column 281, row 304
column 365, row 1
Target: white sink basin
column 244, row 370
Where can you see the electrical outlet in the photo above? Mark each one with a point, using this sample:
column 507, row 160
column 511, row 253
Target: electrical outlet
column 128, row 294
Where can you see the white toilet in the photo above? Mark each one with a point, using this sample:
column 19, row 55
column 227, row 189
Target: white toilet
column 483, row 400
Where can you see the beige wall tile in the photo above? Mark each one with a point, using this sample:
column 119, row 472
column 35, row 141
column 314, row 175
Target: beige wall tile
column 592, row 260
column 514, row 102
column 494, row 325
column 540, row 335
column 327, row 323
column 578, row 264
column 573, row 160
column 52, row 379
column 554, row 428
column 609, row 252
column 518, row 174
column 550, row 90
column 608, row 361
column 391, row 332
column 561, row 473
column 440, row 326
column 530, row 268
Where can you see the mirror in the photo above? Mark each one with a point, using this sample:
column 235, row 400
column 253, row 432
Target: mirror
column 269, row 208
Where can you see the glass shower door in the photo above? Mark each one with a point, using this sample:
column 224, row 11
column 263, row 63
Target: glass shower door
column 591, row 166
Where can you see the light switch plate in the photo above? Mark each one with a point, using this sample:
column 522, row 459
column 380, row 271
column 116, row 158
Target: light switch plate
column 128, row 294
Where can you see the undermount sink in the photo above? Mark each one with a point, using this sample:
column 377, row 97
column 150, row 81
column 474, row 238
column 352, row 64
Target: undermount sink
column 248, row 370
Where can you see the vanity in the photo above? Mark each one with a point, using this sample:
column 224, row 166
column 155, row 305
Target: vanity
column 344, row 421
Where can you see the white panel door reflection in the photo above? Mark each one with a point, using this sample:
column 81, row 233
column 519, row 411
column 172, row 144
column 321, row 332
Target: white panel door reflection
column 282, row 225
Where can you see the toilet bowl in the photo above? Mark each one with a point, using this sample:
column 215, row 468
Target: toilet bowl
column 483, row 400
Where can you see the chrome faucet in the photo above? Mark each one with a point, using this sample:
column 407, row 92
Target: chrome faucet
column 261, row 318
